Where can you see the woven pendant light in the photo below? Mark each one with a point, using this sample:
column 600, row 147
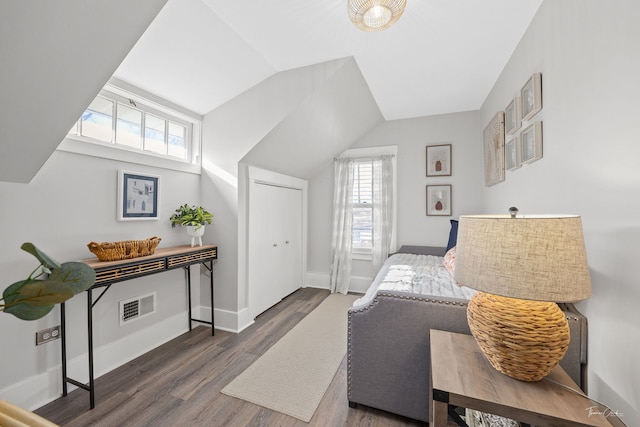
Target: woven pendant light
column 375, row 15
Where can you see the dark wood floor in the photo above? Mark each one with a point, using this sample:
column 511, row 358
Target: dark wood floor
column 179, row 383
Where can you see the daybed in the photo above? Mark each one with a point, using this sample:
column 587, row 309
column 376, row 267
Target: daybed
column 388, row 341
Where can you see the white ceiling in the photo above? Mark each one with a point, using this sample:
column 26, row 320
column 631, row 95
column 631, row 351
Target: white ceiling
column 442, row 56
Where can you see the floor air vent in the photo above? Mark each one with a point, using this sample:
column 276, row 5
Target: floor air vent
column 135, row 308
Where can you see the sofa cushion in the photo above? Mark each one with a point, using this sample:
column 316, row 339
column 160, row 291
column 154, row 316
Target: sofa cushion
column 449, row 261
column 453, row 234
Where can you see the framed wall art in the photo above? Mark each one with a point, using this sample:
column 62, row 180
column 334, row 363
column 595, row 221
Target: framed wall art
column 531, row 96
column 439, row 200
column 512, row 154
column 531, row 141
column 439, row 160
column 137, row 196
column 493, row 141
column 513, row 116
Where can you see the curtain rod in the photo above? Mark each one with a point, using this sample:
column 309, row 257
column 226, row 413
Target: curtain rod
column 366, row 158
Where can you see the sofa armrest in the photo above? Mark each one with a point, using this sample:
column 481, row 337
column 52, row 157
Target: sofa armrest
column 388, row 349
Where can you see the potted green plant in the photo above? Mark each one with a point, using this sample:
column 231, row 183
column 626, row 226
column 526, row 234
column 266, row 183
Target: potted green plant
column 49, row 284
column 194, row 218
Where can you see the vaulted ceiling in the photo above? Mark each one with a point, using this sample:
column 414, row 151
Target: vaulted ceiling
column 442, row 56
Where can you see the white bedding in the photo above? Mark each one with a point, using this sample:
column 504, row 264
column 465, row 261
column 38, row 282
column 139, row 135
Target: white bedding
column 418, row 274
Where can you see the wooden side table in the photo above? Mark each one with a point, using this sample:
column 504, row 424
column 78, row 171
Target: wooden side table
column 462, row 376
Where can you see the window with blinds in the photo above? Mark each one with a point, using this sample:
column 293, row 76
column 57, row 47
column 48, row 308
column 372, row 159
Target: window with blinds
column 362, row 240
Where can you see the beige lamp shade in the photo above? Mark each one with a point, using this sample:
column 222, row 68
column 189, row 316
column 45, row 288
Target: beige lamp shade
column 540, row 258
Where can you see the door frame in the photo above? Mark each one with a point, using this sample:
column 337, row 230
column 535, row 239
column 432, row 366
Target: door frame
column 256, row 176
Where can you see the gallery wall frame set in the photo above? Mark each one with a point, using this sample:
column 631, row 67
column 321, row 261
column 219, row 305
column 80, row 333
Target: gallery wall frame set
column 138, row 196
column 439, row 199
column 520, row 139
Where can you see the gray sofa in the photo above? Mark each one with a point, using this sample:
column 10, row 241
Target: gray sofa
column 388, row 348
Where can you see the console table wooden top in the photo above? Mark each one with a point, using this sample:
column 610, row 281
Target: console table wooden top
column 159, row 253
column 163, row 259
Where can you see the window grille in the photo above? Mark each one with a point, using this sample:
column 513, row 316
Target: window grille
column 116, row 120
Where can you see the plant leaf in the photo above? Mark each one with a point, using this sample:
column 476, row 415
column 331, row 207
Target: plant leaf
column 43, row 293
column 26, row 311
column 42, row 257
column 76, row 275
column 12, row 293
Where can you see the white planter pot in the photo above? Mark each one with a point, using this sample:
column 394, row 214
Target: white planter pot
column 196, row 234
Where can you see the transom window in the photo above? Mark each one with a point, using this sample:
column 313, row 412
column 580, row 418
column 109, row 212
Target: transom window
column 132, row 124
column 362, row 228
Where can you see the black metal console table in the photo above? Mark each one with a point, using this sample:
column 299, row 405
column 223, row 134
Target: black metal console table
column 110, row 272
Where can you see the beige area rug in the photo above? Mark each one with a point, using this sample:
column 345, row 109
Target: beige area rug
column 294, row 374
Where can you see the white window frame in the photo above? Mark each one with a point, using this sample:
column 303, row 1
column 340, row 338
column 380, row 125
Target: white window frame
column 132, row 97
column 368, row 152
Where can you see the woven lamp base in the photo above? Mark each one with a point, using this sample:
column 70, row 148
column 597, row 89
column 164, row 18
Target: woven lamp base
column 521, row 338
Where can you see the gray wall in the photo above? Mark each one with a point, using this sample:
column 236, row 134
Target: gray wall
column 462, row 130
column 69, row 203
column 292, row 123
column 587, row 51
column 56, row 56
column 589, row 55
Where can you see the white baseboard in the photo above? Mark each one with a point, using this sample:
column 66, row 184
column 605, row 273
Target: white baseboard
column 41, row 389
column 358, row 284
column 244, row 319
column 38, row 390
column 317, row 280
column 226, row 320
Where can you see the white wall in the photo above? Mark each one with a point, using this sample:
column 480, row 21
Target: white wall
column 324, row 125
column 588, row 52
column 56, row 56
column 69, row 203
column 291, row 124
column 414, row 226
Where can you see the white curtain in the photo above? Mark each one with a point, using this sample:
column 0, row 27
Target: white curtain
column 382, row 209
column 341, row 235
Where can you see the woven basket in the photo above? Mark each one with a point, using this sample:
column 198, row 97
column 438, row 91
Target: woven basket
column 126, row 249
column 521, row 338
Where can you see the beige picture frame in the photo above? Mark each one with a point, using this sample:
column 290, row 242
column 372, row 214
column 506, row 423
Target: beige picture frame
column 493, row 142
column 531, row 96
column 438, row 160
column 531, row 142
column 439, row 200
column 512, row 154
column 513, row 116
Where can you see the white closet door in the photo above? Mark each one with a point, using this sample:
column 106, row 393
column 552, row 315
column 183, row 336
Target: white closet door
column 275, row 260
column 292, row 235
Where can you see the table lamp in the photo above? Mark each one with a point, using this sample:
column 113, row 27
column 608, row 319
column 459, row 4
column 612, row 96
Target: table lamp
column 521, row 266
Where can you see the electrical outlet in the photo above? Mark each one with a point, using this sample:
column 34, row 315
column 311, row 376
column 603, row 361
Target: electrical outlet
column 46, row 335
